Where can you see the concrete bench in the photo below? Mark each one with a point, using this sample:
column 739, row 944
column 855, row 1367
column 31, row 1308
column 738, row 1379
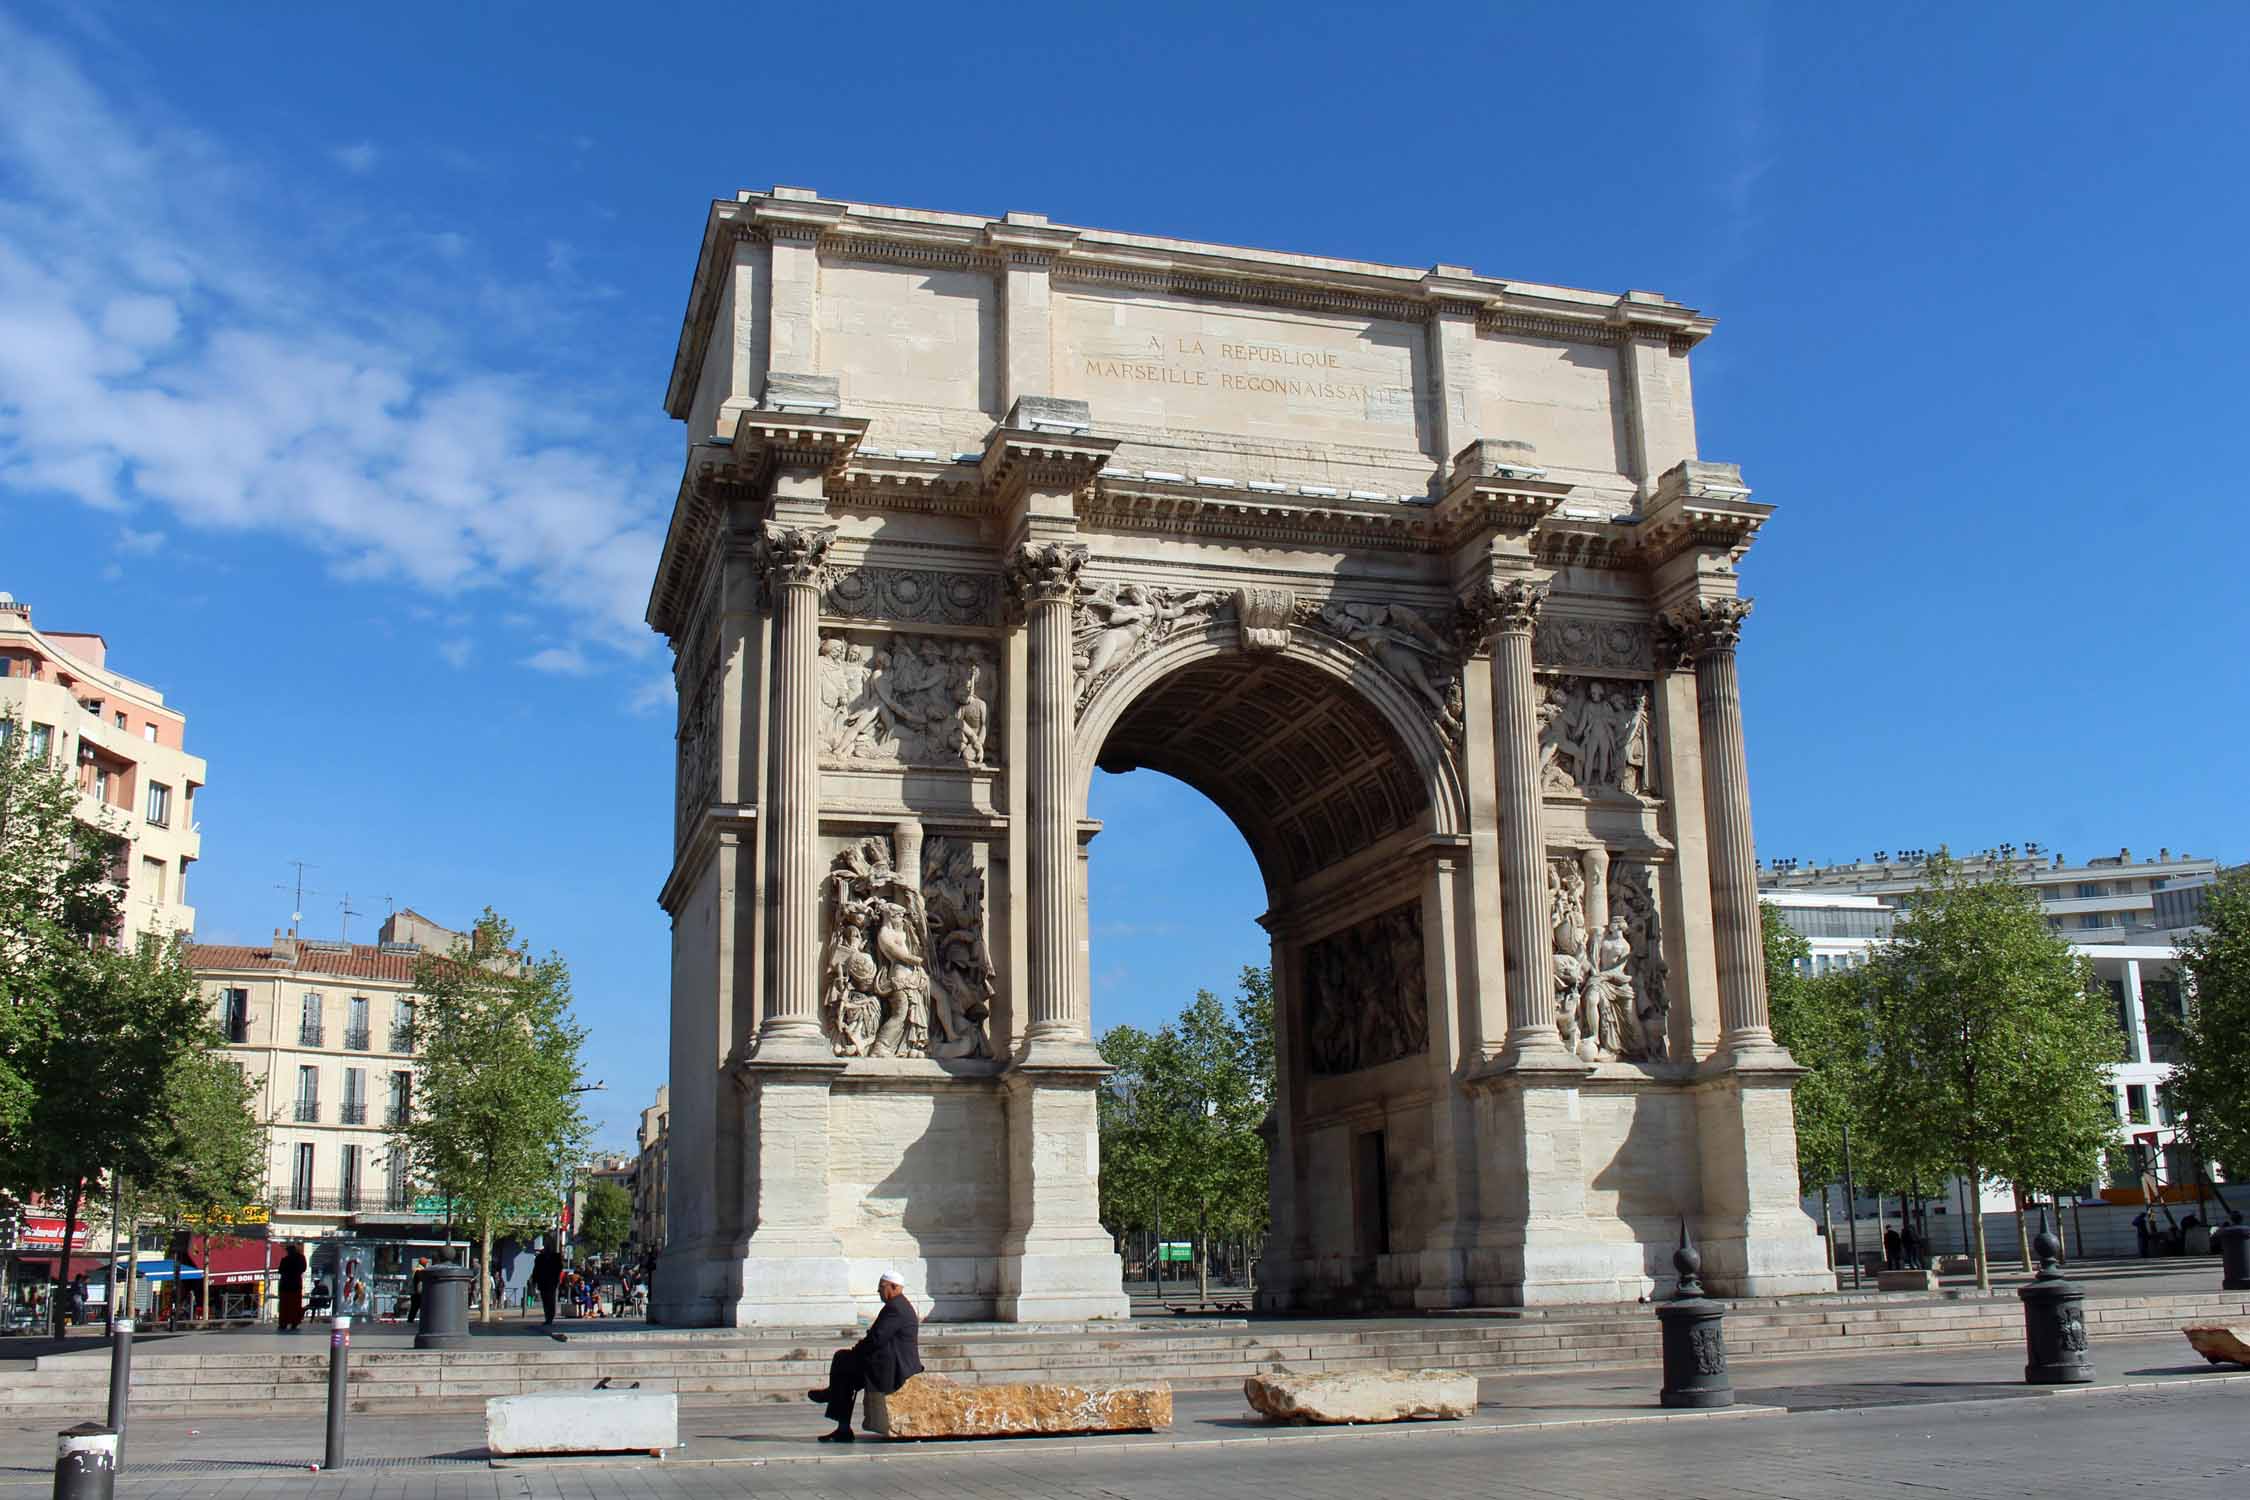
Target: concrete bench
column 1906, row 1281
column 931, row 1406
column 583, row 1422
column 1363, row 1396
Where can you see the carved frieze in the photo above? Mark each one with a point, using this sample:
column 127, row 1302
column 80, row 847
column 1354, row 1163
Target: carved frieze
column 896, row 699
column 1119, row 622
column 880, row 994
column 1594, row 738
column 1610, row 973
column 912, row 595
column 1404, row 643
column 1577, row 643
column 697, row 786
column 1366, row 996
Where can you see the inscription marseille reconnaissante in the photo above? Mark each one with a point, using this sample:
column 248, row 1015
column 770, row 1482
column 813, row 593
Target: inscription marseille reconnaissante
column 1161, row 367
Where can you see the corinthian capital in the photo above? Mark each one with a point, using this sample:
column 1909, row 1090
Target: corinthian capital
column 1701, row 627
column 794, row 555
column 1045, row 573
column 1510, row 606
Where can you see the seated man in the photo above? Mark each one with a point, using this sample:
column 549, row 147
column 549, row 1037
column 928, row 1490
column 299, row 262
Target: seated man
column 884, row 1360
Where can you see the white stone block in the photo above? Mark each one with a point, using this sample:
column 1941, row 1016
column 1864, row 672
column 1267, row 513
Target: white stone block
column 583, row 1422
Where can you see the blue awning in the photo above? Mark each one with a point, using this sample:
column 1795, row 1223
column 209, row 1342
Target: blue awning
column 165, row 1270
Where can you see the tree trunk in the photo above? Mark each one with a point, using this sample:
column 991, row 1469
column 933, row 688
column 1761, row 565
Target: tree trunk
column 1983, row 1251
column 58, row 1299
column 132, row 1263
column 2023, row 1231
column 1828, row 1225
column 1203, row 1252
column 484, row 1271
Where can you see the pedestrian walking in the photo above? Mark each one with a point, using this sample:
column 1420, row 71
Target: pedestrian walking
column 78, row 1299
column 414, row 1290
column 546, row 1274
column 292, row 1289
column 889, row 1355
column 1893, row 1248
column 1910, row 1249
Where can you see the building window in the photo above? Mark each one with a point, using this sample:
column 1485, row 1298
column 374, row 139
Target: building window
column 355, row 1096
column 2136, row 1103
column 121, row 718
column 148, row 732
column 2091, row 921
column 398, row 1194
column 301, row 1178
column 402, row 1099
column 42, row 740
column 2159, row 882
column 234, row 1016
column 152, row 879
column 2089, row 889
column 308, row 1095
column 100, row 787
column 402, row 1026
column 355, row 1023
column 159, row 804
column 309, row 1030
column 347, row 1192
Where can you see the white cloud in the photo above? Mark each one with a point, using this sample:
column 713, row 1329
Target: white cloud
column 139, row 543
column 457, row 652
column 160, row 352
column 652, row 697
column 358, row 158
column 563, row 661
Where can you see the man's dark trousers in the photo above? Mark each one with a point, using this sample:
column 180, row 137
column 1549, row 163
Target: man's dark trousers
column 888, row 1357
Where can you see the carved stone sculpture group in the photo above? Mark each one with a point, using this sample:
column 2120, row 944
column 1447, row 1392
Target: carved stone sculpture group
column 1119, row 621
column 1610, row 974
column 1593, row 736
column 1366, row 997
column 904, row 700
column 1403, row 643
column 907, row 972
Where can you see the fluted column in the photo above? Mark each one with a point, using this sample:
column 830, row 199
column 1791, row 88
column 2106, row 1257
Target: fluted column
column 1708, row 630
column 1043, row 580
column 795, row 559
column 1506, row 612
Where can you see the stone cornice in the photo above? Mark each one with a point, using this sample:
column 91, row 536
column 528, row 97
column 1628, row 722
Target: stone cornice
column 1021, row 458
column 1699, row 505
column 1189, row 509
column 1495, row 487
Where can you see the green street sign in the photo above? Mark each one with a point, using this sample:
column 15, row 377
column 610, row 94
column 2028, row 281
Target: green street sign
column 1175, row 1251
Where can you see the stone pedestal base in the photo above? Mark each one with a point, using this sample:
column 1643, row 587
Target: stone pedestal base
column 1756, row 1240
column 1057, row 1263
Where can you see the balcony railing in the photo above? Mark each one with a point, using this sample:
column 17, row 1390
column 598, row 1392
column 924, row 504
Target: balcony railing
column 397, row 1116
column 402, row 1038
column 355, row 1038
column 399, row 1198
column 308, row 1111
column 311, row 1034
column 359, row 1199
column 347, row 1201
column 354, row 1114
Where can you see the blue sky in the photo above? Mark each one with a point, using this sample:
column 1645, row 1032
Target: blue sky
column 333, row 343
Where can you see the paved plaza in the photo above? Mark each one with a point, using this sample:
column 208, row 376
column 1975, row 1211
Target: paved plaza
column 1950, row 1422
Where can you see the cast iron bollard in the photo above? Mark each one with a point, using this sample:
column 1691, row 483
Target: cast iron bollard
column 120, row 1379
column 2234, row 1257
column 339, row 1361
column 1695, row 1344
column 445, row 1308
column 85, row 1462
column 2054, row 1320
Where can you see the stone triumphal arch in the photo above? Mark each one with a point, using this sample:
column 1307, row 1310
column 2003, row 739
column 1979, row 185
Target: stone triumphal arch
column 1415, row 573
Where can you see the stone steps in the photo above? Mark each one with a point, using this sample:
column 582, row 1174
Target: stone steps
column 755, row 1366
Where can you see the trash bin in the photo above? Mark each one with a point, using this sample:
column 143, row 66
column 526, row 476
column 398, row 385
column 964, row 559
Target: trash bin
column 445, row 1308
column 2234, row 1257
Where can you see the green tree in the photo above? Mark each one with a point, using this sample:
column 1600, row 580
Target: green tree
column 1989, row 1040
column 1181, row 1117
column 606, row 1219
column 496, row 1111
column 208, row 1162
column 2210, row 1092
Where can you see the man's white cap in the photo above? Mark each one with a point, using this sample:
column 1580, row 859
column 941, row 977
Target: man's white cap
column 893, row 1278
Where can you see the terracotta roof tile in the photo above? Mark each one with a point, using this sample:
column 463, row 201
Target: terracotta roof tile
column 359, row 961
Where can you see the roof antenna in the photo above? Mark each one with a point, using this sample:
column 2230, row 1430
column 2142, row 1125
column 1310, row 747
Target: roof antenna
column 345, row 932
column 298, row 915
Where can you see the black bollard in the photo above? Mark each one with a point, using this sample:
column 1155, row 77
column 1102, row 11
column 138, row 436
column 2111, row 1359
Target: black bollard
column 2234, row 1257
column 2054, row 1320
column 445, row 1308
column 85, row 1462
column 1695, row 1344
column 339, row 1361
column 120, row 1379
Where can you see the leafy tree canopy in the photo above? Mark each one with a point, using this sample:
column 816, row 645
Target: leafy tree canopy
column 2211, row 1089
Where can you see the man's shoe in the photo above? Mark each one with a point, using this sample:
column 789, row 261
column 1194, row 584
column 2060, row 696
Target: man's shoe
column 819, row 1397
column 840, row 1435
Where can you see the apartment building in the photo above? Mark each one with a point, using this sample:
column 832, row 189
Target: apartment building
column 651, row 1176
column 326, row 1032
column 127, row 750
column 2112, row 899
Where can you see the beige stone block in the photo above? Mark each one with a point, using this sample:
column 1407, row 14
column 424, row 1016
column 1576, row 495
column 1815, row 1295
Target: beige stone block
column 2220, row 1343
column 931, row 1406
column 1363, row 1396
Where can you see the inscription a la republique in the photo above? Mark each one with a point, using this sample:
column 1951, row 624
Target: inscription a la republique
column 1155, row 369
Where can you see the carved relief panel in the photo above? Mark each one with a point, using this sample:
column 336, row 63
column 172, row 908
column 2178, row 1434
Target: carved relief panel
column 1119, row 622
column 1405, row 644
column 1594, row 738
column 1611, row 999
column 1366, row 996
column 907, row 971
column 697, row 760
column 895, row 699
